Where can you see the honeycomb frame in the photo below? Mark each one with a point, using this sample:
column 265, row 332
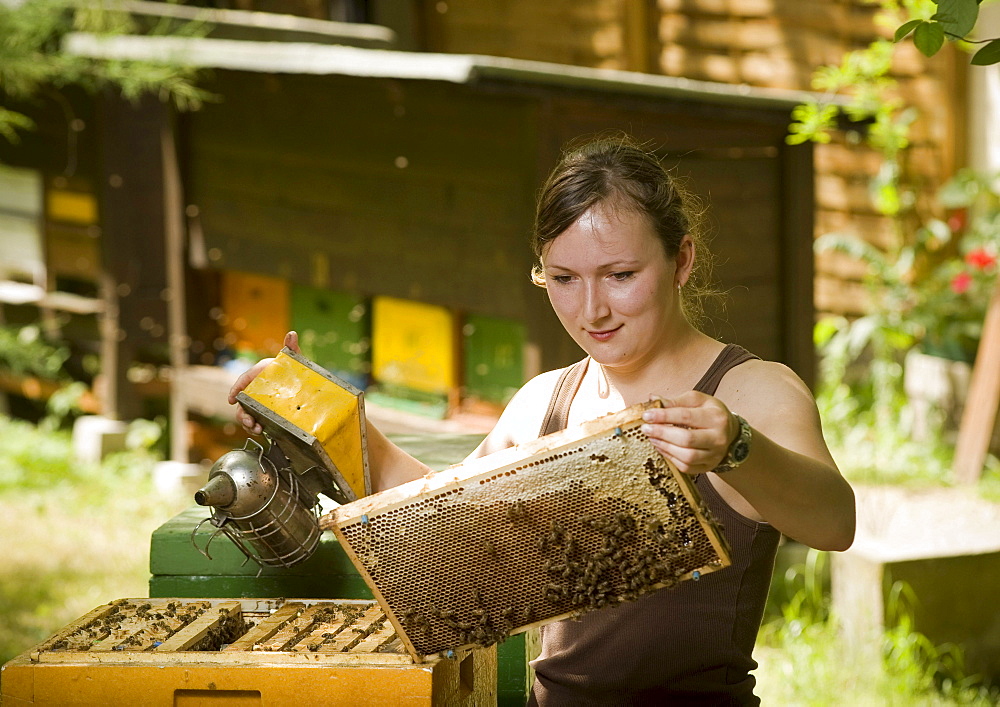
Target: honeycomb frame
column 569, row 523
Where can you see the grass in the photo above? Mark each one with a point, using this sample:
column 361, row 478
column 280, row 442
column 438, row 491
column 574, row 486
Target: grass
column 75, row 536
column 805, row 660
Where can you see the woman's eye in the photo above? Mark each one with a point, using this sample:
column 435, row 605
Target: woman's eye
column 562, row 279
column 622, row 275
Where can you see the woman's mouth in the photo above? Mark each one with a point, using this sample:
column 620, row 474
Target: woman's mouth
column 604, row 335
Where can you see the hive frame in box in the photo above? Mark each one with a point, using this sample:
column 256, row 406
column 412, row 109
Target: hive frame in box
column 570, row 522
column 163, row 651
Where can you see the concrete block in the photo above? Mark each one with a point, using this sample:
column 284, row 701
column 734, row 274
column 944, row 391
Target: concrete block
column 943, row 543
column 96, row 436
column 173, row 478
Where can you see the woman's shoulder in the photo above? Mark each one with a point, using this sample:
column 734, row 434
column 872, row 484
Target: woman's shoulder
column 763, row 385
column 530, row 403
column 522, row 418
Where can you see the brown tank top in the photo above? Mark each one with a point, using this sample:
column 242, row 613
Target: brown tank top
column 688, row 645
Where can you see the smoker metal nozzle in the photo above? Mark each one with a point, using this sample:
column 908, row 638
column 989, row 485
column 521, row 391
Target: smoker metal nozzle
column 220, row 491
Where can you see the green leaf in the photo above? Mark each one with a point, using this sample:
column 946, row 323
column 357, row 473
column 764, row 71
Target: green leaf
column 905, row 29
column 929, row 37
column 957, row 17
column 826, row 327
column 990, row 54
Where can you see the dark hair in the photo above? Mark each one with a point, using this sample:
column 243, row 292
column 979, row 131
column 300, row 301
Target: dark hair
column 620, row 173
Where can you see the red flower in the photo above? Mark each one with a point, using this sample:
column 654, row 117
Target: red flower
column 980, row 258
column 961, row 282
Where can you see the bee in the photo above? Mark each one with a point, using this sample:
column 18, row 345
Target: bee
column 516, row 511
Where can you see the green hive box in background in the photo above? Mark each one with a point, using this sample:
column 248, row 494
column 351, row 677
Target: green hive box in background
column 334, row 331
column 179, row 570
column 494, row 358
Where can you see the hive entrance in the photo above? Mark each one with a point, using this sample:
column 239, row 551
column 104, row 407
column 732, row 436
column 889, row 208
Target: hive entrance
column 575, row 521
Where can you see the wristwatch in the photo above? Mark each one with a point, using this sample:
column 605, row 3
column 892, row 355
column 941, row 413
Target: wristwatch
column 738, row 451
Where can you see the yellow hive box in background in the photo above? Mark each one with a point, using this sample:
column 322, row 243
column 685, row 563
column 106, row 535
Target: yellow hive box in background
column 256, row 311
column 413, row 345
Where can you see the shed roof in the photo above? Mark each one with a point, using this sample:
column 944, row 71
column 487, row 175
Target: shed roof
column 320, row 59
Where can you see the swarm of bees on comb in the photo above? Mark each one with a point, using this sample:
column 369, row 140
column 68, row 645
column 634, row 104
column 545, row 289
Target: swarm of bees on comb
column 574, row 522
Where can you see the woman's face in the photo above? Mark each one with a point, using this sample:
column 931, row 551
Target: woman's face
column 613, row 287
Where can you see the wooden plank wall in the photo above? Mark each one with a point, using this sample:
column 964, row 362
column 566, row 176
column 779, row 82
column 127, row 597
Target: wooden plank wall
column 413, row 190
column 577, row 32
column 766, row 43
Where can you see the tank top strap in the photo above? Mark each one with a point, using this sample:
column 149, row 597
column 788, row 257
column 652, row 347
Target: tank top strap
column 557, row 416
column 730, row 357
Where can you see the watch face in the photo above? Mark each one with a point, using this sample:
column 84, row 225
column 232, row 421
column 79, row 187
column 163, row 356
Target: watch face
column 741, row 450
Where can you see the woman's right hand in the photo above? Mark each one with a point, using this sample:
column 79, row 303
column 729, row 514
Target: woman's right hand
column 248, row 421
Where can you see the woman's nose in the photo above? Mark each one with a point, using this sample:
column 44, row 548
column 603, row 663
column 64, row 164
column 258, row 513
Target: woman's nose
column 595, row 306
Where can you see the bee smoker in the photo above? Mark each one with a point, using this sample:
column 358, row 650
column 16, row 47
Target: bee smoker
column 261, row 506
column 266, row 499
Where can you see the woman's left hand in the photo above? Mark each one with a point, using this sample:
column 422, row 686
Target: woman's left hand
column 692, row 430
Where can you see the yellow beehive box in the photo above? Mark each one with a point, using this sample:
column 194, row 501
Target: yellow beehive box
column 240, row 652
column 413, row 345
column 255, row 309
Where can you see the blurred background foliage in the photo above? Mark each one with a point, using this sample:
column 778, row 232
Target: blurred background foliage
column 31, row 62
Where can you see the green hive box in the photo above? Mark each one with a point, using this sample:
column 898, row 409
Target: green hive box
column 494, row 359
column 334, row 331
column 179, row 570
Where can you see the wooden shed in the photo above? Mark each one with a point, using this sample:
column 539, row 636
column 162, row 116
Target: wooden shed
column 352, row 178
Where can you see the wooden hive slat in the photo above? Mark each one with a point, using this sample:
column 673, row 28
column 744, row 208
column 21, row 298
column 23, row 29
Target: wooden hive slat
column 375, row 639
column 571, row 522
column 325, row 625
column 352, row 634
column 289, row 631
column 211, row 619
column 155, row 630
column 266, row 628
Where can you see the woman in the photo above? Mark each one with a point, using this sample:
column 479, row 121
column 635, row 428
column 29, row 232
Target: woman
column 616, row 249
